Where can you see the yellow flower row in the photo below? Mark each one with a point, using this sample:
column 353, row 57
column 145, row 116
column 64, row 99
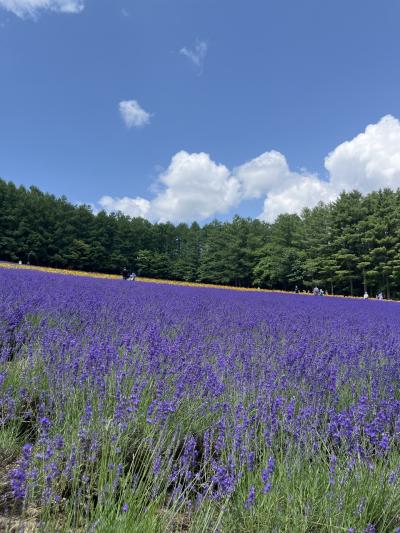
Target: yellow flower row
column 114, row 276
column 148, row 280
column 206, row 285
column 59, row 271
column 139, row 279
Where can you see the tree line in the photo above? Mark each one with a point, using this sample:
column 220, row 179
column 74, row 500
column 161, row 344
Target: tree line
column 345, row 247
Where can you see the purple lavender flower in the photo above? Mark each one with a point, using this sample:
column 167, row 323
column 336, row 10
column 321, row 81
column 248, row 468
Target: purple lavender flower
column 248, row 504
column 252, row 370
column 266, row 474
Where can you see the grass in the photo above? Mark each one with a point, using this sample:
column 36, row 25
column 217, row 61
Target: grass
column 94, row 470
column 111, row 487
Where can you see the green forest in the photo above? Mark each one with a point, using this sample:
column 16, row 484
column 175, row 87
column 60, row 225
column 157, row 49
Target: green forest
column 345, row 247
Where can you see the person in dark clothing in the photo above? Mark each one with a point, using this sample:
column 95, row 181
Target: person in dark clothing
column 125, row 273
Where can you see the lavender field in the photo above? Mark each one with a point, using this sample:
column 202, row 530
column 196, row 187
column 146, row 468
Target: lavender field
column 133, row 407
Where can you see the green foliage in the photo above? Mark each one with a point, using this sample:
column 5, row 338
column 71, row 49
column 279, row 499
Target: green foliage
column 346, row 247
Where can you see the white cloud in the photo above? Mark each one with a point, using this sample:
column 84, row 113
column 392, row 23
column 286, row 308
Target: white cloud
column 132, row 114
column 31, row 8
column 285, row 191
column 301, row 191
column 263, row 173
column 134, row 207
column 196, row 188
column 197, row 55
column 192, row 188
column 370, row 161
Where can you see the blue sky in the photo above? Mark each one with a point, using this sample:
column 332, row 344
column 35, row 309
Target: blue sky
column 189, row 109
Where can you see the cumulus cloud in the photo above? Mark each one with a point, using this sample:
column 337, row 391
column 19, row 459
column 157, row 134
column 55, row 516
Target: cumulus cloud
column 370, row 161
column 194, row 187
column 134, row 207
column 284, row 190
column 300, row 191
column 133, row 114
column 262, row 174
column 196, row 55
column 31, row 8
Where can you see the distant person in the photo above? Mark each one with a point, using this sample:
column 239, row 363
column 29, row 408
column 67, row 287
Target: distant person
column 296, row 289
column 379, row 295
column 125, row 274
column 321, row 292
column 132, row 277
column 20, row 262
column 366, row 295
column 315, row 291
